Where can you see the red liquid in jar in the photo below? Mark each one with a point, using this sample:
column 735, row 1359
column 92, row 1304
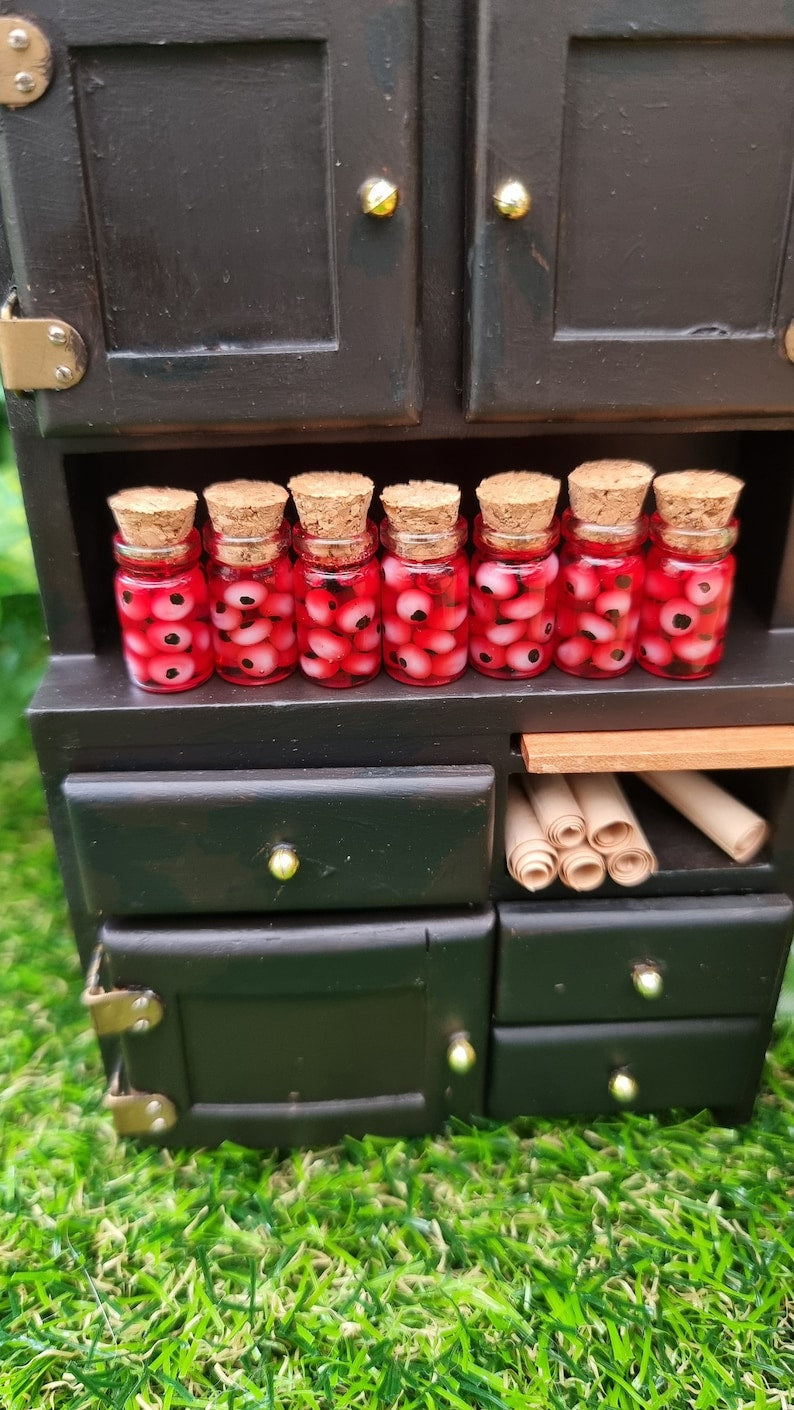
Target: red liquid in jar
column 686, row 607
column 338, row 616
column 598, row 601
column 253, row 622
column 512, row 610
column 425, row 619
column 163, row 610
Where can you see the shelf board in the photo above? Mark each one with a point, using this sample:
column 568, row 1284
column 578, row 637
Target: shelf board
column 647, row 750
column 88, row 702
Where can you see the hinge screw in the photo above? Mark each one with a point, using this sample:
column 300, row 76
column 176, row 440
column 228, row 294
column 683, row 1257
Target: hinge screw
column 56, row 334
column 140, row 1025
column 152, row 1108
column 64, row 375
column 18, row 39
column 24, row 82
column 142, row 1002
column 159, row 1125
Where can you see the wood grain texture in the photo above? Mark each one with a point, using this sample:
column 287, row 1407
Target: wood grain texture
column 721, row 747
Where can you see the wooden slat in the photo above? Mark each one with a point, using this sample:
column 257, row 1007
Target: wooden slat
column 740, row 747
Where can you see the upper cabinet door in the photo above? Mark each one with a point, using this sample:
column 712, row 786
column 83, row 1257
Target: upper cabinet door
column 187, row 195
column 652, row 273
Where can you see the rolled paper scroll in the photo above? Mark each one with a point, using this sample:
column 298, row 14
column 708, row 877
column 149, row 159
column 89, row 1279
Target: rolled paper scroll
column 556, row 808
column 609, row 821
column 634, row 862
column 730, row 824
column 531, row 861
column 581, row 868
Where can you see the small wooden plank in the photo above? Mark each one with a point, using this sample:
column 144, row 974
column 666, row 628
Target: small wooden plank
column 723, row 747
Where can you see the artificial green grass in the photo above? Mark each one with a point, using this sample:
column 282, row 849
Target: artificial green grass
column 632, row 1262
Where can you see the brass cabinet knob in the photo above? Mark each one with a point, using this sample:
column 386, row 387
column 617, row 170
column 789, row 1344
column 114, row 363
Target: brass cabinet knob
column 512, row 199
column 379, row 197
column 283, row 862
column 647, row 980
column 788, row 341
column 461, row 1056
column 623, row 1087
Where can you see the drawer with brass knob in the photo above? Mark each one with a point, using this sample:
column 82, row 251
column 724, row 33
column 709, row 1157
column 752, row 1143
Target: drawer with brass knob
column 587, row 1067
column 208, row 841
column 680, row 957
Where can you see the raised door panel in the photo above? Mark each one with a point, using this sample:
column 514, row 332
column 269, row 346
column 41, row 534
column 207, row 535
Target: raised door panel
column 652, row 272
column 277, row 1032
column 200, row 174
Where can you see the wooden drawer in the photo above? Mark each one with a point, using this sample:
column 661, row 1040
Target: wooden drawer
column 287, row 1031
column 561, row 1069
column 181, row 843
column 600, row 960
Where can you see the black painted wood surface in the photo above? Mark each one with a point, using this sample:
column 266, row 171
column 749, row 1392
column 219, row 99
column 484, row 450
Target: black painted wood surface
column 572, row 961
column 653, row 273
column 566, row 1068
column 200, row 173
column 281, row 1031
column 177, row 843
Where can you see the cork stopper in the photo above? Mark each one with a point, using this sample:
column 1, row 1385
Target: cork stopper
column 248, row 515
column 609, row 492
column 517, row 503
column 697, row 499
column 422, row 510
column 332, row 507
column 153, row 517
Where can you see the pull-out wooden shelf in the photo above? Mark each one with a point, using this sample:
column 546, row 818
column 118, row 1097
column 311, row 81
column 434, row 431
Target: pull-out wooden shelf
column 646, row 750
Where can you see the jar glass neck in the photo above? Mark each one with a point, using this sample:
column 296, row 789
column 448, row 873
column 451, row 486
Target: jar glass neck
column 701, row 544
column 424, row 548
column 168, row 558
column 605, row 538
column 330, row 553
column 535, row 544
column 247, row 552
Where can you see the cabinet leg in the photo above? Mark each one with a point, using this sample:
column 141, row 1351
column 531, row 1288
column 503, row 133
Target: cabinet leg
column 737, row 1115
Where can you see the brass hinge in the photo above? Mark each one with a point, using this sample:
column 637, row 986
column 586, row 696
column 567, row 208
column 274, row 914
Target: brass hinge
column 25, row 62
column 39, row 354
column 138, row 1113
column 119, row 1010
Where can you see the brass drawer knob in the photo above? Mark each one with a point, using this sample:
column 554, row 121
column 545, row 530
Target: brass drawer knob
column 512, row 199
column 379, row 197
column 461, row 1056
column 283, row 862
column 647, row 980
column 623, row 1087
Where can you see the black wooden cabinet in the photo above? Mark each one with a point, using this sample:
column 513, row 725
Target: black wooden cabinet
column 187, row 194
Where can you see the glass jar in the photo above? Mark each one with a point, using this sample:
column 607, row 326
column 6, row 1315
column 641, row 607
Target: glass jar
column 513, row 598
column 687, row 600
column 425, row 605
column 337, row 603
column 161, row 596
column 600, row 592
column 252, row 607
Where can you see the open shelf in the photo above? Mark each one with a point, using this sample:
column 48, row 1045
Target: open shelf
column 762, row 459
column 690, row 864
